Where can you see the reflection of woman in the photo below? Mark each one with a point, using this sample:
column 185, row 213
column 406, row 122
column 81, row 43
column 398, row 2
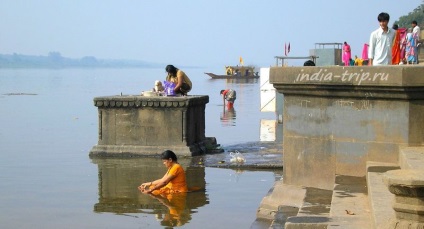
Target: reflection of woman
column 228, row 117
column 181, row 80
column 174, row 180
column 178, row 214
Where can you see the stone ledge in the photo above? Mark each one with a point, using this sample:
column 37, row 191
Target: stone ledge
column 383, row 82
column 411, row 158
column 305, row 222
column 150, row 101
column 140, row 151
column 379, row 197
column 405, row 178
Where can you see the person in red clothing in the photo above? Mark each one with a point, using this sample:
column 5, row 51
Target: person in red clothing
column 229, row 95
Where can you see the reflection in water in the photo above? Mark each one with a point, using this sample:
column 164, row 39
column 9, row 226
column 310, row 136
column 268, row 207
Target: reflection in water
column 228, row 117
column 234, row 177
column 178, row 214
column 242, row 81
column 118, row 193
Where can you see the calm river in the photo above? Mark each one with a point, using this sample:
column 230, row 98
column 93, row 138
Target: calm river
column 49, row 124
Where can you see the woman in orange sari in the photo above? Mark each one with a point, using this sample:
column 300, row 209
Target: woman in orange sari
column 396, row 46
column 174, row 180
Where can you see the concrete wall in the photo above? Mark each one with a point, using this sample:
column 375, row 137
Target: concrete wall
column 150, row 125
column 337, row 118
column 327, row 56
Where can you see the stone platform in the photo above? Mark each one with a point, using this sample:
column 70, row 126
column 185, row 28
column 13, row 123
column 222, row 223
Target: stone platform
column 147, row 125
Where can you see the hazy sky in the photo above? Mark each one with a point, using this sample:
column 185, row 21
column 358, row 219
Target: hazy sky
column 208, row 33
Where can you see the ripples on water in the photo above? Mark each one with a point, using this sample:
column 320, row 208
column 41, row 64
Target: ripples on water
column 49, row 124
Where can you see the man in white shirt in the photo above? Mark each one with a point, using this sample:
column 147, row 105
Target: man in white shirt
column 416, row 32
column 381, row 42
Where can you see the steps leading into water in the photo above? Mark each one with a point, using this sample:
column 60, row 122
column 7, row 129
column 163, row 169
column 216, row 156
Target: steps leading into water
column 355, row 202
column 282, row 201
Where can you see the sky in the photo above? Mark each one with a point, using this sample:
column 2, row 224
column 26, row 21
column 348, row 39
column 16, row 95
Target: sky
column 204, row 33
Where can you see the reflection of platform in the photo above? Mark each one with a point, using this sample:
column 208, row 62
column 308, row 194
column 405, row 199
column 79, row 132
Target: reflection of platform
column 119, row 179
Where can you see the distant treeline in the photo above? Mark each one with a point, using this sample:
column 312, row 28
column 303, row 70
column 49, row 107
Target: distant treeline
column 416, row 15
column 56, row 60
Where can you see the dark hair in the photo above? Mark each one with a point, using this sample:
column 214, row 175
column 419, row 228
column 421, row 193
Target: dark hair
column 414, row 22
column 395, row 27
column 171, row 69
column 222, row 91
column 383, row 17
column 309, row 63
column 167, row 154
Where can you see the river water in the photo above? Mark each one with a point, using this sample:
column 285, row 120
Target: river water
column 49, row 124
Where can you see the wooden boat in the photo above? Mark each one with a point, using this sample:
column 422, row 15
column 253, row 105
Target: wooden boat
column 236, row 72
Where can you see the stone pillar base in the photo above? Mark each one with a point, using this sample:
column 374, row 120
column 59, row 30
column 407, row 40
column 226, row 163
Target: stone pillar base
column 209, row 145
column 132, row 150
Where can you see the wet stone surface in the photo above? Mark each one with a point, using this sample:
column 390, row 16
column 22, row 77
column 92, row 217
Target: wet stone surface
column 254, row 155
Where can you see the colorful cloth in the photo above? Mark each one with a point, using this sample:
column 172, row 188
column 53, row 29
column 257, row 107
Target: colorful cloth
column 411, row 48
column 358, row 62
column 365, row 52
column 346, row 54
column 396, row 48
column 402, row 42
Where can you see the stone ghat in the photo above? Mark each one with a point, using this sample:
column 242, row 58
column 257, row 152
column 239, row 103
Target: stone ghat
column 349, row 131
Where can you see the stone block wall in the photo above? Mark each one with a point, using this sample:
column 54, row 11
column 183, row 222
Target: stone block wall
column 148, row 125
column 338, row 118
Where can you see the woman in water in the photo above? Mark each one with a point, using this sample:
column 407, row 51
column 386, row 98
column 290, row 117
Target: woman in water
column 174, row 180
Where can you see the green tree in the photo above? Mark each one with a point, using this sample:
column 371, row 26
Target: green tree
column 416, row 15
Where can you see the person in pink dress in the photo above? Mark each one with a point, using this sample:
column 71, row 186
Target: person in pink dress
column 346, row 54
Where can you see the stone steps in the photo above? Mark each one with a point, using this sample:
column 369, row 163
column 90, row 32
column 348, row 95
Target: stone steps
column 344, row 207
column 282, row 201
column 349, row 205
column 355, row 202
column 380, row 199
column 314, row 212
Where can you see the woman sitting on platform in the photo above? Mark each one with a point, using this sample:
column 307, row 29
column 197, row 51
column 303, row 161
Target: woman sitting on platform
column 182, row 82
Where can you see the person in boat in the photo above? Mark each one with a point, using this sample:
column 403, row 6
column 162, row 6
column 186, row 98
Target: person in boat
column 174, row 180
column 182, row 83
column 229, row 95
